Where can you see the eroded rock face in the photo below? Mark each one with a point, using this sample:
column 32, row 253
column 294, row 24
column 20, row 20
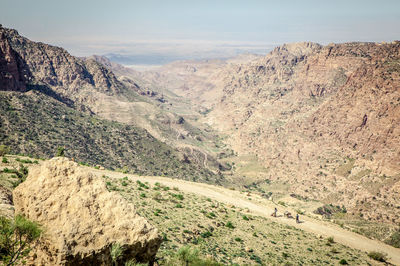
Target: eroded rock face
column 6, row 203
column 82, row 219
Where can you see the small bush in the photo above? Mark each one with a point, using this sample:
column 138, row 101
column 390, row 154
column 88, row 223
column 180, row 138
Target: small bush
column 238, row 239
column 141, row 185
column 378, row 256
column 16, row 237
column 206, row 234
column 212, row 215
column 178, row 205
column 229, row 225
column 245, row 218
column 4, row 150
column 60, row 152
column 4, row 160
column 330, row 240
column 177, row 196
column 116, row 252
column 343, row 262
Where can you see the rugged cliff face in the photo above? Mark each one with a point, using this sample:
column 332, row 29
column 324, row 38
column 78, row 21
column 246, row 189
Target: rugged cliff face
column 12, row 75
column 35, row 63
column 322, row 118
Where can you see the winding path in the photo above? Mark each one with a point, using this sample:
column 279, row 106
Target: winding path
column 263, row 207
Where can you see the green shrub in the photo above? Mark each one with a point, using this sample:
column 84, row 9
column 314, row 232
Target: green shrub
column 343, row 262
column 229, row 225
column 245, row 218
column 238, row 239
column 142, row 185
column 212, row 215
column 4, row 150
column 378, row 256
column 116, row 252
column 16, row 237
column 178, row 205
column 206, row 234
column 177, row 196
column 60, row 152
column 4, row 160
column 330, row 240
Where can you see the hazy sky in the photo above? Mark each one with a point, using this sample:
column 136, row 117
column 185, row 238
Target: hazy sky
column 120, row 26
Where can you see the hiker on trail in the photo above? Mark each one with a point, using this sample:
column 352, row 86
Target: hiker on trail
column 297, row 218
column 275, row 212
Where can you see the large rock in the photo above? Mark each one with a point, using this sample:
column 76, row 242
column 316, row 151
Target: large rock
column 81, row 218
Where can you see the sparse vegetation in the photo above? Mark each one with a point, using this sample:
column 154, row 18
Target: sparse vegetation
column 16, row 238
column 116, row 253
column 122, row 146
column 4, row 149
column 394, row 239
column 378, row 256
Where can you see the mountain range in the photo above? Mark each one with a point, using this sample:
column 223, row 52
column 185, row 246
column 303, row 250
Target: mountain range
column 323, row 122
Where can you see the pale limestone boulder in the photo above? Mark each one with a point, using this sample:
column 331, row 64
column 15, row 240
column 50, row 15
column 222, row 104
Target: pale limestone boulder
column 81, row 218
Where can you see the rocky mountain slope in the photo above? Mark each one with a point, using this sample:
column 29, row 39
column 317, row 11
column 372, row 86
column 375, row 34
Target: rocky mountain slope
column 323, row 119
column 49, row 79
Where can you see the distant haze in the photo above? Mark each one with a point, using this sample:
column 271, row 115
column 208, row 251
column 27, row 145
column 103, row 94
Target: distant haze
column 159, row 53
column 156, row 32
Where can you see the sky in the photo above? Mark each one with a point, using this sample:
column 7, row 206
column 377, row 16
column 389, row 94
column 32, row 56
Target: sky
column 191, row 29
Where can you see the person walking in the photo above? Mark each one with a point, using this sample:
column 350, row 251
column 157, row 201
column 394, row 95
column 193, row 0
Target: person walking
column 297, row 218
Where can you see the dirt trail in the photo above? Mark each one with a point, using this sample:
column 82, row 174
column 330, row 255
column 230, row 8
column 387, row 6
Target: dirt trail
column 264, row 207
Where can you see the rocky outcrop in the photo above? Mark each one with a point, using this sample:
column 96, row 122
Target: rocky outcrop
column 11, row 77
column 24, row 62
column 82, row 220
